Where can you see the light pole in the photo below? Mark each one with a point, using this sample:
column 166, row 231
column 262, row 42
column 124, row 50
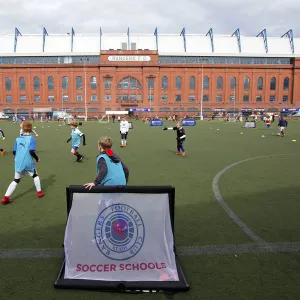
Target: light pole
column 201, row 100
column 85, row 105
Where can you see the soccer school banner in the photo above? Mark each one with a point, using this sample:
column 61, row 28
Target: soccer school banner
column 156, row 122
column 121, row 238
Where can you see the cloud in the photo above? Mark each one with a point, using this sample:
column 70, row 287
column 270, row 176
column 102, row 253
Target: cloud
column 170, row 16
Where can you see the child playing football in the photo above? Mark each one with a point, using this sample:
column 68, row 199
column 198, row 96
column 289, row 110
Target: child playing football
column 21, row 130
column 180, row 138
column 24, row 152
column 124, row 127
column 110, row 169
column 76, row 140
column 282, row 124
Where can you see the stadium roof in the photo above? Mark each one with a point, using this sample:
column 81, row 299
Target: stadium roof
column 181, row 44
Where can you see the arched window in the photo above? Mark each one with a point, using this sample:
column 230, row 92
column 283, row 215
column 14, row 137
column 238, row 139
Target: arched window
column 205, row 83
column 246, row 83
column 8, row 84
column 232, row 83
column 65, row 83
column 260, row 84
column 164, row 83
column 50, row 83
column 192, row 83
column 273, row 84
column 151, row 83
column 220, row 83
column 36, row 83
column 178, row 83
column 79, row 83
column 124, row 84
column 93, row 82
column 22, row 84
column 286, row 83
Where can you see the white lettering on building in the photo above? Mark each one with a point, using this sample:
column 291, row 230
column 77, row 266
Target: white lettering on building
column 137, row 58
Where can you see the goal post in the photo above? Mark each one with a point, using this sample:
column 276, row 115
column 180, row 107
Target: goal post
column 108, row 115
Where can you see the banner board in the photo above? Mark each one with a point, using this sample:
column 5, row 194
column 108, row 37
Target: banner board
column 250, row 124
column 112, row 236
column 188, row 122
column 156, row 122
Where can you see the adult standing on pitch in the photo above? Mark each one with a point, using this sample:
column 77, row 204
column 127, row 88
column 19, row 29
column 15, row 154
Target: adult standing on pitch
column 180, row 137
column 124, row 128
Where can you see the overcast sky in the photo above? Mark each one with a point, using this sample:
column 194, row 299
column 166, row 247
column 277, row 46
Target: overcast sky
column 142, row 16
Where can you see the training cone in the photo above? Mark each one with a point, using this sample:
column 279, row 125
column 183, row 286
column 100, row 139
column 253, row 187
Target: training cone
column 294, row 141
column 262, row 136
column 241, row 133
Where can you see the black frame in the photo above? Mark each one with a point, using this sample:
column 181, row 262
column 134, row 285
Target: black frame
column 125, row 286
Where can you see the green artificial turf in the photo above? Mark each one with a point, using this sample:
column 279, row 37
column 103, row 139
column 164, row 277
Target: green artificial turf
column 262, row 192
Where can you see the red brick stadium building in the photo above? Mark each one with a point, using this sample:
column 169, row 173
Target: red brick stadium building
column 170, row 74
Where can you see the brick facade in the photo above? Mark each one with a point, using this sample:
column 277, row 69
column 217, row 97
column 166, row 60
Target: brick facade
column 115, row 71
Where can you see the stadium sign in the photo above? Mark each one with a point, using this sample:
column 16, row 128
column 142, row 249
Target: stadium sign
column 188, row 122
column 140, row 109
column 156, row 122
column 259, row 109
column 219, row 109
column 135, row 58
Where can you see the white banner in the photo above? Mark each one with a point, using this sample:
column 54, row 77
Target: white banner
column 120, row 237
column 129, row 58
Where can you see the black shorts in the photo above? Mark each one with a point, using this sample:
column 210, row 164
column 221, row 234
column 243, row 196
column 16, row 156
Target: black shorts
column 124, row 136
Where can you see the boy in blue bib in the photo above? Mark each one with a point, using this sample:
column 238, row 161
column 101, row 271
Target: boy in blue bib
column 110, row 169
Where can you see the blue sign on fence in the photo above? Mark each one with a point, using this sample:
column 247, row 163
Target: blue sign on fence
column 140, row 109
column 156, row 122
column 188, row 122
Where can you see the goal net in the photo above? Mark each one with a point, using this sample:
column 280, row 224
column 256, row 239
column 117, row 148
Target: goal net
column 231, row 117
column 108, row 116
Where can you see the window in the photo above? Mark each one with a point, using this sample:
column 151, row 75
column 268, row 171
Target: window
column 22, row 84
column 36, row 83
column 259, row 98
column 220, row 83
column 150, row 83
column 178, row 98
column 50, row 83
column 50, row 98
column 192, row 83
column 125, row 97
column 232, row 98
column 246, row 98
column 164, row 98
column 107, row 98
column 36, row 98
column 93, row 82
column 178, row 83
column 65, row 98
column 285, row 99
column 22, row 98
column 132, row 97
column 78, row 83
column 78, row 98
column 259, row 84
column 192, row 98
column 8, row 99
column 107, row 83
column 124, row 84
column 286, row 83
column 64, row 83
column 93, row 98
column 205, row 98
column 164, row 83
column 7, row 84
column 272, row 98
column 206, row 83
column 232, row 83
column 219, row 98
column 246, row 83
column 150, row 98
column 273, row 84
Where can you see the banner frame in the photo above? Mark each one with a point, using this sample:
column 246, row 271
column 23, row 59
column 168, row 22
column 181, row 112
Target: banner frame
column 125, row 286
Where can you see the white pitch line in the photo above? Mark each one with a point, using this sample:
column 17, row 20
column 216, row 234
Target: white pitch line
column 228, row 210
